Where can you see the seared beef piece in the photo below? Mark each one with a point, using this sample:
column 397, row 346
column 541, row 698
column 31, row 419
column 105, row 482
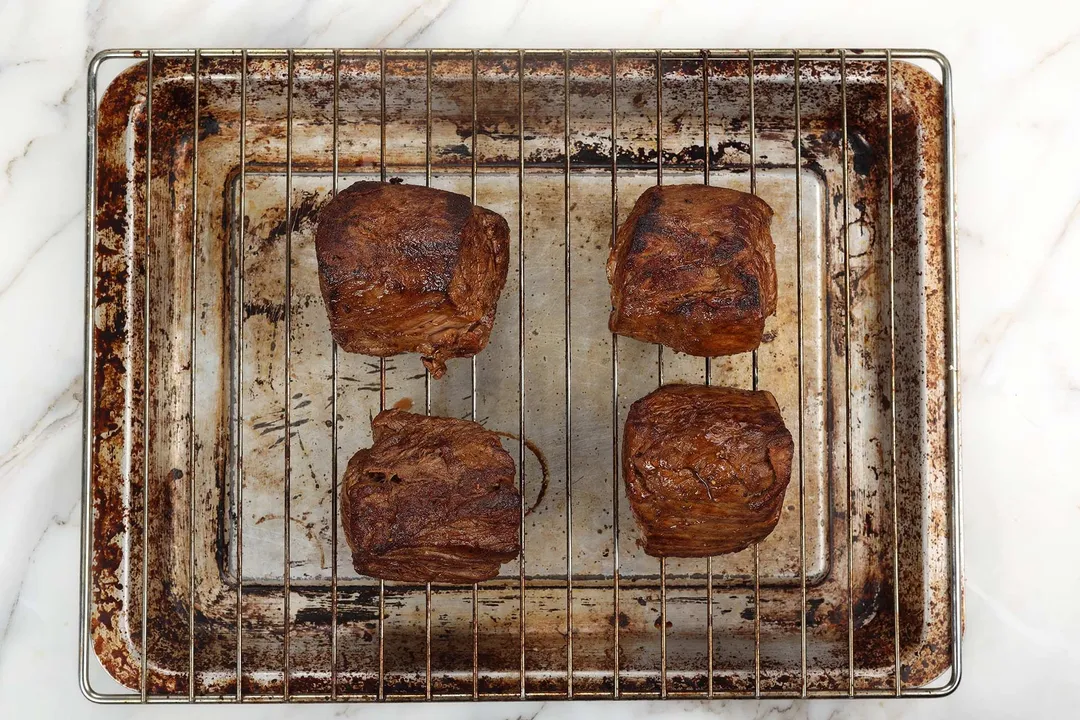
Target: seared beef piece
column 432, row 500
column 694, row 268
column 405, row 268
column 705, row 468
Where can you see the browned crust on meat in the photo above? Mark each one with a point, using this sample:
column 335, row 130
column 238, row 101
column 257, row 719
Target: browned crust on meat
column 432, row 500
column 706, row 468
column 405, row 268
column 694, row 268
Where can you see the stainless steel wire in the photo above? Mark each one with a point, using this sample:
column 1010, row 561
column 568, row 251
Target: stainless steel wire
column 86, row 511
column 709, row 641
column 616, row 614
column 568, row 369
column 952, row 359
column 427, row 384
column 754, row 379
column 893, row 478
column 802, row 413
column 239, row 353
column 847, row 377
column 660, row 365
column 472, row 401
column 195, row 72
column 521, row 358
column 287, row 571
column 382, row 370
column 146, row 376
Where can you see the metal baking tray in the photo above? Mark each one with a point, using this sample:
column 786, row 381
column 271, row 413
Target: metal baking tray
column 217, row 404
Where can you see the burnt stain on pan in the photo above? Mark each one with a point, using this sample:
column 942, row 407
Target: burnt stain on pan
column 274, row 312
column 545, row 474
column 595, row 153
column 862, row 154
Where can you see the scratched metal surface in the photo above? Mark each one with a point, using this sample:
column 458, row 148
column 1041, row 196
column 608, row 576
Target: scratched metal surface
column 238, row 428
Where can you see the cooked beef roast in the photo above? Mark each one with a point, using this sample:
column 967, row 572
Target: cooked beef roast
column 705, row 468
column 693, row 268
column 432, row 500
column 405, row 268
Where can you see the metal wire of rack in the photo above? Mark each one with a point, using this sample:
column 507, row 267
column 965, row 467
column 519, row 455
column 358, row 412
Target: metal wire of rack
column 144, row 693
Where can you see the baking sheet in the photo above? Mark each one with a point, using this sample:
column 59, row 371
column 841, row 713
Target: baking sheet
column 214, row 409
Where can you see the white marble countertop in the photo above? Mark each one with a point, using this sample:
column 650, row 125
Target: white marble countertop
column 1018, row 124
